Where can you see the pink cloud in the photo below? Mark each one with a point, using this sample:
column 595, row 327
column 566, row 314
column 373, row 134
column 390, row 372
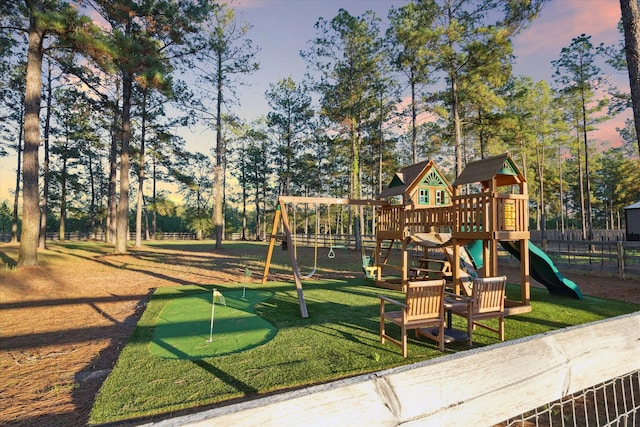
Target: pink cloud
column 561, row 21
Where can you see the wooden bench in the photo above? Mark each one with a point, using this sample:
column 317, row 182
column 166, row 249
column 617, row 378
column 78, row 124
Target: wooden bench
column 438, row 267
column 425, row 273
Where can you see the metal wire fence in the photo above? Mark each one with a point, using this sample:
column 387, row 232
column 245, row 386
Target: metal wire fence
column 612, row 403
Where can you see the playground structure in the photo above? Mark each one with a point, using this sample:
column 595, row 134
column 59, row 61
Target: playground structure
column 281, row 218
column 489, row 204
column 486, row 207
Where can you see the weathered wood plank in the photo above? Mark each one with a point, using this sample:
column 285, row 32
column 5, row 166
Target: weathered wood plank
column 477, row 387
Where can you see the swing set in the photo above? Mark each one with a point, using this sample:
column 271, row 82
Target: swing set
column 290, row 239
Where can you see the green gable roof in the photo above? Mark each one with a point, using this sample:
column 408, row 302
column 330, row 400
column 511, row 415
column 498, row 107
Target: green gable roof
column 434, row 179
column 395, row 182
column 485, row 169
column 508, row 168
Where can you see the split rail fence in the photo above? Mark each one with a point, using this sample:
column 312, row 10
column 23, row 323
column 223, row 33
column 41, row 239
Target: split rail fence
column 617, row 257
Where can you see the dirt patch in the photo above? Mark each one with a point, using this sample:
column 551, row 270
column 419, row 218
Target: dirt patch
column 592, row 283
column 64, row 323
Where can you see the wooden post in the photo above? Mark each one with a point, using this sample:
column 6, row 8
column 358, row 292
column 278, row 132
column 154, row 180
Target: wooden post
column 294, row 263
column 377, row 259
column 281, row 213
column 525, row 292
column 494, row 257
column 272, row 241
column 620, row 251
column 455, row 266
column 405, row 262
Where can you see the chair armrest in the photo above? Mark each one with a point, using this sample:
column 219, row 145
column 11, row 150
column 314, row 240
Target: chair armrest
column 392, row 301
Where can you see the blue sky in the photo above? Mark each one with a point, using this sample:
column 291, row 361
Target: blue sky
column 283, row 27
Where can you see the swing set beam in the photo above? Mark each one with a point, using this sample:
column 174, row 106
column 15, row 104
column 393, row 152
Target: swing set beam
column 281, row 214
column 330, row 201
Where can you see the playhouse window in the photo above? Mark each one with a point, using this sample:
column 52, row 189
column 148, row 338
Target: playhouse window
column 423, row 196
column 441, row 197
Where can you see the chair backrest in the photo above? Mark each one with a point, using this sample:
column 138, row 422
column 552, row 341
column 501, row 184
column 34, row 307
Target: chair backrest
column 425, row 299
column 488, row 294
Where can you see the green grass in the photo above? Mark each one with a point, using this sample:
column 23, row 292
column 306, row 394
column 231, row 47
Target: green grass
column 338, row 339
column 184, row 327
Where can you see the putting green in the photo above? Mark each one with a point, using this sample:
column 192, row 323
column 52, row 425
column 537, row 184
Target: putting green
column 184, row 325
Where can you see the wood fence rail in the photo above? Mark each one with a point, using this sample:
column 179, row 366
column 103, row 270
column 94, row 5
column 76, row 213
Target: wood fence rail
column 617, row 257
column 482, row 387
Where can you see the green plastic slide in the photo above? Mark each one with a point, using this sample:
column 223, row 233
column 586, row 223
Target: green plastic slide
column 545, row 271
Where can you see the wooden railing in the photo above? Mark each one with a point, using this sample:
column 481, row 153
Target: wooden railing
column 431, row 219
column 472, row 213
column 391, row 219
column 475, row 214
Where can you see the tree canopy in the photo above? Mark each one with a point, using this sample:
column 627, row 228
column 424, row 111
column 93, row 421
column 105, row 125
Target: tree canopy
column 433, row 79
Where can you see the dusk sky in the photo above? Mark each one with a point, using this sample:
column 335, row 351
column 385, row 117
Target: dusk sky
column 283, row 27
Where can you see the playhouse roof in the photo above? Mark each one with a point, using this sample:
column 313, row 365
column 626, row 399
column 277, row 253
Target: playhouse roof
column 636, row 205
column 502, row 167
column 406, row 178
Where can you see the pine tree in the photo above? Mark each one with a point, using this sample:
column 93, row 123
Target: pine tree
column 227, row 53
column 578, row 76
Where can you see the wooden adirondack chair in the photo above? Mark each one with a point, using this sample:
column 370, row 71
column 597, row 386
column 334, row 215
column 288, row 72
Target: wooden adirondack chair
column 423, row 308
column 486, row 302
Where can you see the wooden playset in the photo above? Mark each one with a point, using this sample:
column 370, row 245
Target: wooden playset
column 486, row 204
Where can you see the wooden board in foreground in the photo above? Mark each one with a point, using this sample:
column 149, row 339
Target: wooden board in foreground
column 482, row 386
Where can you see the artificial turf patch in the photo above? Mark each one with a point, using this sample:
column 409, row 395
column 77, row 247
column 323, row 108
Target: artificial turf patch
column 184, row 325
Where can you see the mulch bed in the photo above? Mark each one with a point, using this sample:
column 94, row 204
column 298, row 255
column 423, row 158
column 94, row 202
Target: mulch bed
column 64, row 323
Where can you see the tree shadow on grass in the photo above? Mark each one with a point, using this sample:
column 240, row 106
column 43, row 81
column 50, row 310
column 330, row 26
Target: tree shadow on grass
column 186, row 323
column 6, row 259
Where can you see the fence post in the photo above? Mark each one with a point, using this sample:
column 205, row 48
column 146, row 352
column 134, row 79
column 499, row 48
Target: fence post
column 620, row 247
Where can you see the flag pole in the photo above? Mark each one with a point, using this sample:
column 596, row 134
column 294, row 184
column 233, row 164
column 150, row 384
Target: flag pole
column 247, row 275
column 213, row 305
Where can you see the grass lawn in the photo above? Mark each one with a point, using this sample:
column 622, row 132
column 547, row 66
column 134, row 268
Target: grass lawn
column 338, row 339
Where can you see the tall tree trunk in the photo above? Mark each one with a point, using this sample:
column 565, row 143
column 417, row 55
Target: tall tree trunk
column 562, row 210
column 147, row 233
column 28, row 252
column 224, row 189
column 258, row 212
column 46, row 173
column 16, row 195
column 92, row 206
column 63, row 195
column 217, row 172
column 122, row 217
column 112, row 205
column 481, row 135
column 244, row 193
column 154, row 212
column 264, row 189
column 589, row 214
column 631, row 25
column 140, row 201
column 457, row 126
column 414, row 119
column 581, row 182
column 356, row 182
column 541, row 204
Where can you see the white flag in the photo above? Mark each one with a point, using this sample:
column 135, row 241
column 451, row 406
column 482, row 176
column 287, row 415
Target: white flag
column 218, row 298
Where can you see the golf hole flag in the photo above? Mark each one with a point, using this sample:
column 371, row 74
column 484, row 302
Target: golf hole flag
column 217, row 297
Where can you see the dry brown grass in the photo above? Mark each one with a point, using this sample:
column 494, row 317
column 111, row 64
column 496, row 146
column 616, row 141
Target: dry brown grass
column 63, row 324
